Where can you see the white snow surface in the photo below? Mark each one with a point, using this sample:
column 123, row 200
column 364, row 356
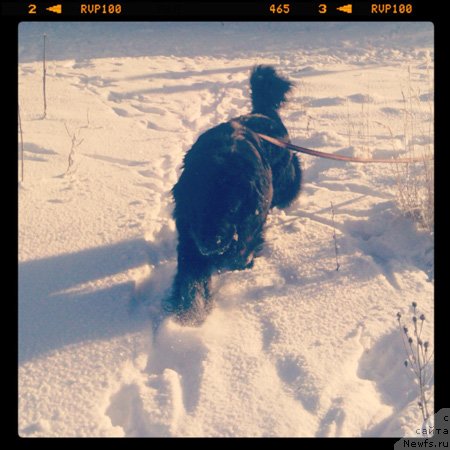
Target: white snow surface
column 293, row 347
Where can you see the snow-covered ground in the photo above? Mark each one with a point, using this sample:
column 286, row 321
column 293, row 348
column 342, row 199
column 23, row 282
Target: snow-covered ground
column 294, row 347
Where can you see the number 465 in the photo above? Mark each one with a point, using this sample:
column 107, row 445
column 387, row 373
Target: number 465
column 280, row 9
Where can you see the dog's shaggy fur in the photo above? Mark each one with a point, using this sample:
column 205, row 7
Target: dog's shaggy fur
column 230, row 180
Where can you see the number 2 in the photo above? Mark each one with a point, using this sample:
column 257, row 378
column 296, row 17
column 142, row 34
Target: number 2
column 322, row 8
column 31, row 8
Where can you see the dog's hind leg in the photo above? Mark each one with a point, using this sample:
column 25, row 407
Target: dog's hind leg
column 190, row 300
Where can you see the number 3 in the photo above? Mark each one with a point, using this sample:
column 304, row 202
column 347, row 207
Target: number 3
column 322, row 8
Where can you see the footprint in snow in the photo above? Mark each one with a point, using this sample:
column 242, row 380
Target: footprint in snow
column 122, row 112
column 153, row 401
column 180, row 349
column 332, row 423
column 298, row 379
column 150, row 409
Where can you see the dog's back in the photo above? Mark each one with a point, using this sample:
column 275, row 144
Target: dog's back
column 224, row 176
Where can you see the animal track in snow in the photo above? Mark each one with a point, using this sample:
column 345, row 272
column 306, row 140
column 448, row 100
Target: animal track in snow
column 361, row 98
column 148, row 109
column 148, row 407
column 332, row 422
column 294, row 372
column 382, row 365
column 269, row 333
column 118, row 161
column 326, row 101
column 122, row 112
column 33, row 152
column 180, row 349
column 151, row 400
column 27, row 70
column 83, row 64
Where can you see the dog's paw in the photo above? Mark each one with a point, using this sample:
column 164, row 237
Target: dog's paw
column 189, row 318
column 195, row 315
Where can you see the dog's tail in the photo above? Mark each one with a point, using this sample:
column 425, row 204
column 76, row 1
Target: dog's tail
column 268, row 89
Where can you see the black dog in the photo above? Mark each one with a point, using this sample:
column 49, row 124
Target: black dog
column 230, row 180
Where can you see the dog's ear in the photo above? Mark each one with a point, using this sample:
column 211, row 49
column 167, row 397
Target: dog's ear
column 268, row 89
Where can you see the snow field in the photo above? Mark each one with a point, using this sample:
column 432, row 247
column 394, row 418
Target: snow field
column 293, row 347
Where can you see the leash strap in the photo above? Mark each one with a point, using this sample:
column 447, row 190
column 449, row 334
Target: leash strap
column 308, row 151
